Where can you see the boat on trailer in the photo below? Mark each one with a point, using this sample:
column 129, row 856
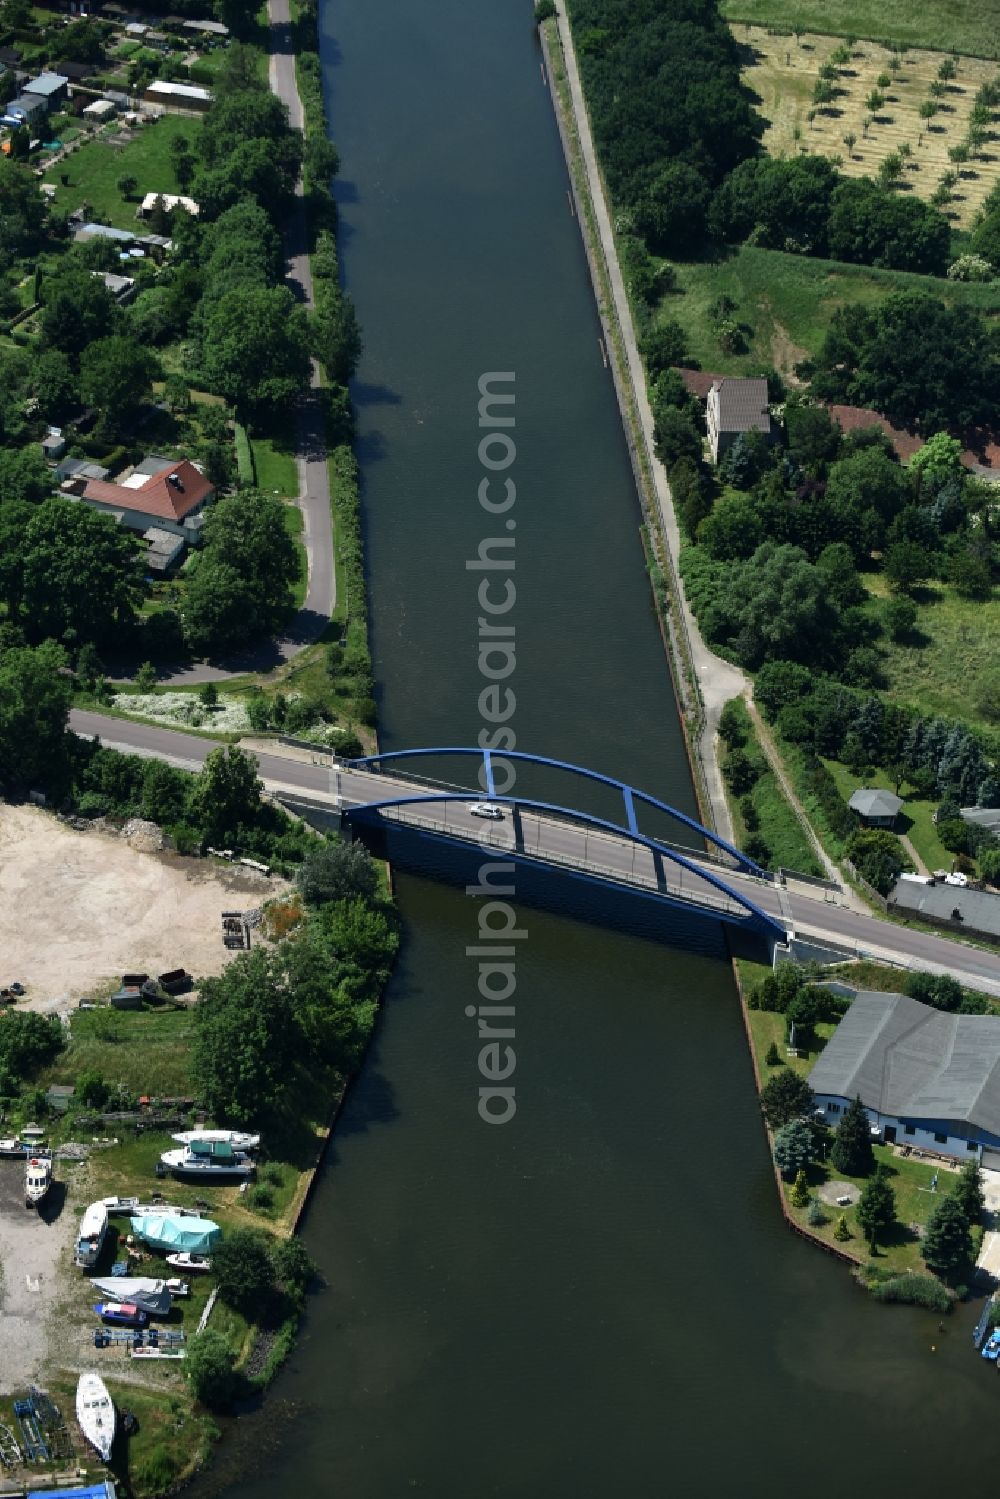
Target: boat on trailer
column 37, row 1179
column 209, row 1160
column 91, row 1236
column 233, row 1137
column 95, row 1412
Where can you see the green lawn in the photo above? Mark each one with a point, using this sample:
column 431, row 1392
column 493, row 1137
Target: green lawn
column 969, row 26
column 293, row 525
column 275, row 466
column 779, row 826
column 786, row 303
column 95, row 168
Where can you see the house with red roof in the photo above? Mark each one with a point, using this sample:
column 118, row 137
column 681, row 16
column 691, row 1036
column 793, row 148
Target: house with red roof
column 162, row 493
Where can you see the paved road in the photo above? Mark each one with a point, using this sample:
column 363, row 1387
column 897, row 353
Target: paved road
column 313, row 500
column 811, row 913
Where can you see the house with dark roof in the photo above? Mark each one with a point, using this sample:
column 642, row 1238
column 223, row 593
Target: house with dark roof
column 944, row 903
column 160, row 493
column 876, row 807
column 926, row 1078
column 735, row 406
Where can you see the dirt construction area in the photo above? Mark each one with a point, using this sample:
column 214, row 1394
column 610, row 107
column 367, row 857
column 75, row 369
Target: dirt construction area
column 79, row 909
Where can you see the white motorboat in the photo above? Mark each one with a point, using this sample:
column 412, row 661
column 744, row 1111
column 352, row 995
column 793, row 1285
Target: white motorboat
column 95, row 1412
column 208, row 1160
column 152, row 1296
column 178, row 1288
column 13, row 1146
column 231, row 1137
column 91, row 1236
column 192, row 1263
column 37, row 1179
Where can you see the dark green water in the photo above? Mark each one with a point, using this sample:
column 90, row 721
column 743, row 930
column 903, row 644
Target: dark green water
column 598, row 1298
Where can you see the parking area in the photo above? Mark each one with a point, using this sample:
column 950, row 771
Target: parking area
column 34, row 1255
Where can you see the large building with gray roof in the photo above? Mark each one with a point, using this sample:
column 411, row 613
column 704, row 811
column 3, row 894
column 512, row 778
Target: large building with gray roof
column 927, row 1079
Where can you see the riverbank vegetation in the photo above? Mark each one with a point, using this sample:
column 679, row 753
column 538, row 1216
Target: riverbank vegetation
column 764, row 822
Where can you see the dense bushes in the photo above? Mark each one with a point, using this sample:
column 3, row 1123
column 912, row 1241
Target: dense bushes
column 912, row 1289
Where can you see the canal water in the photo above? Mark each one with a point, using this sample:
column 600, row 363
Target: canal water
column 598, row 1298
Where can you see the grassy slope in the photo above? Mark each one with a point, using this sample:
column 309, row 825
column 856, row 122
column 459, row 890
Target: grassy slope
column 970, row 26
column 786, row 303
column 94, row 171
column 779, row 826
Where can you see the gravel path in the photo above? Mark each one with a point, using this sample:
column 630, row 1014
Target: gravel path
column 34, row 1251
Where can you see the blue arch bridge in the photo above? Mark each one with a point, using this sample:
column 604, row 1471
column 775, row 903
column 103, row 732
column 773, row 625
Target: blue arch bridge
column 715, row 880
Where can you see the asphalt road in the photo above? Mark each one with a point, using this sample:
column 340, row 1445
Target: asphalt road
column 810, row 914
column 309, row 622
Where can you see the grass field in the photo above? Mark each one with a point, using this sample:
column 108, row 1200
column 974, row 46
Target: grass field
column 275, row 467
column 951, row 633
column 95, row 168
column 969, row 26
column 786, row 303
column 779, row 826
column 292, row 517
column 784, row 70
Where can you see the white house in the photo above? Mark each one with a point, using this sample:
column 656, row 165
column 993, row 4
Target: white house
column 735, row 406
column 926, row 1078
column 161, row 493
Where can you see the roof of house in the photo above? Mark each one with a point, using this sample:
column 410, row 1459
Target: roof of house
column 157, row 495
column 178, row 91
column 169, row 201
column 91, row 230
column 908, row 1060
column 47, row 84
column 982, row 817
column 978, row 910
column 743, row 405
column 873, row 801
column 76, row 70
column 100, row 107
column 26, row 104
column 215, row 27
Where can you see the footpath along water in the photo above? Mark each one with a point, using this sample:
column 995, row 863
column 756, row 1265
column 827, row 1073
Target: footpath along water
column 598, row 1298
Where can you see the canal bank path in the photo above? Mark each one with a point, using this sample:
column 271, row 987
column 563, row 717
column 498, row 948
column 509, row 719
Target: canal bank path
column 718, row 680
column 309, row 622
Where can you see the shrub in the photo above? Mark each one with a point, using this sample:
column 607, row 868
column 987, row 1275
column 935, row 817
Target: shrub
column 842, row 1233
column 544, row 10
column 912, row 1289
column 816, row 1217
column 773, row 1058
column 261, row 1197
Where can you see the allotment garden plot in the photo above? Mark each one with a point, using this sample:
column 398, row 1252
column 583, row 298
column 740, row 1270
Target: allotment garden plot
column 784, row 72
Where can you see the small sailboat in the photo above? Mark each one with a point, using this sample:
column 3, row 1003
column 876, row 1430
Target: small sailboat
column 95, row 1412
column 232, row 1137
column 37, row 1179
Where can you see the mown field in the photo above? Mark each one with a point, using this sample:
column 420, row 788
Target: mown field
column 784, row 71
column 785, row 303
column 94, row 170
column 969, row 26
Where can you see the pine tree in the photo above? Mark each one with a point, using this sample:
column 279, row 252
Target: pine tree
column 842, row 1233
column 852, row 1144
column 793, row 1147
column 800, row 1191
column 968, row 1192
column 947, row 1247
column 877, row 1208
column 773, row 1058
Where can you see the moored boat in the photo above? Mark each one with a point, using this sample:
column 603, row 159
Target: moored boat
column 233, row 1137
column 95, row 1412
column 991, row 1348
column 37, row 1179
column 209, row 1160
column 91, row 1236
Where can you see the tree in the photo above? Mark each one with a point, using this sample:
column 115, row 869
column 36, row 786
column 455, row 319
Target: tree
column 34, row 710
column 220, row 607
column 243, row 1270
column 256, row 350
column 127, row 185
column 22, row 207
column 337, row 871
column 799, row 1195
column 872, row 226
column 210, row 1366
column 226, row 794
column 851, row 1152
column 842, row 1233
column 145, row 677
column 78, row 309
column 877, row 1208
column 245, row 1040
column 940, row 456
column 293, row 1267
column 785, row 1097
column 900, row 616
column 116, row 376
column 850, row 141
column 947, row 1244
column 906, row 565
column 677, row 438
column 671, row 206
column 183, row 161
column 793, row 1147
column 82, row 578
column 336, row 336
column 247, row 532
column 878, row 857
column 968, row 1191
column 663, row 344
column 773, row 1057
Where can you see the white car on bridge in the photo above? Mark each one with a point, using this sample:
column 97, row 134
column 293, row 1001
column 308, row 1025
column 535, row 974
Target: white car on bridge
column 487, row 809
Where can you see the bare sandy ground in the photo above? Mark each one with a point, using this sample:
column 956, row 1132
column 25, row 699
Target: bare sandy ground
column 34, row 1250
column 80, row 908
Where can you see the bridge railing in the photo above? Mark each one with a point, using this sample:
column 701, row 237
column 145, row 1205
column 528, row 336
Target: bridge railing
column 691, row 890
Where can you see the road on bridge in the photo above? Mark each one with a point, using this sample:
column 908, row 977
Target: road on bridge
column 811, row 916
